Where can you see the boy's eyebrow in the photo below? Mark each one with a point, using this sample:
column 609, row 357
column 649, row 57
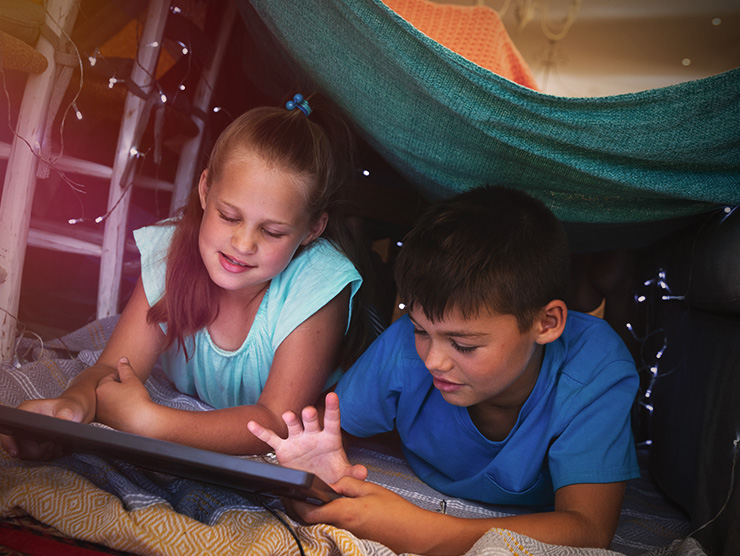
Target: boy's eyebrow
column 455, row 333
column 465, row 333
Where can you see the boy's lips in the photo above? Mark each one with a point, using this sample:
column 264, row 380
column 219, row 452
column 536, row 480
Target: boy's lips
column 445, row 385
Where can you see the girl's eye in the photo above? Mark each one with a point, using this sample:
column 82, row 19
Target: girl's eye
column 275, row 235
column 463, row 349
column 227, row 218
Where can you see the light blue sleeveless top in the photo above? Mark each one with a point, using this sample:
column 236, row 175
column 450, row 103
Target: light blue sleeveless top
column 229, row 378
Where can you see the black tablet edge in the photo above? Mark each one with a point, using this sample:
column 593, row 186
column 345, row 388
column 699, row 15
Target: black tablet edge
column 169, row 457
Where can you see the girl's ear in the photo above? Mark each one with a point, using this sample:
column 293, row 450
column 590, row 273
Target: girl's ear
column 551, row 322
column 203, row 189
column 316, row 229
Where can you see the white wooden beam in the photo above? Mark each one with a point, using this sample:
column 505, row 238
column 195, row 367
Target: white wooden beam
column 187, row 166
column 135, row 112
column 20, row 176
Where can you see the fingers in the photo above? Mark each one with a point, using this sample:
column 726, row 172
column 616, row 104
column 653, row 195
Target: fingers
column 265, row 435
column 9, row 444
column 332, row 422
column 295, row 427
column 311, row 420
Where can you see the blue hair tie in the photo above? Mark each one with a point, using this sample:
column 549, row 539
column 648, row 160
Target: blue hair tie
column 299, row 102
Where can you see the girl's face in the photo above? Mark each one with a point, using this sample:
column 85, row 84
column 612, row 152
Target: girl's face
column 254, row 221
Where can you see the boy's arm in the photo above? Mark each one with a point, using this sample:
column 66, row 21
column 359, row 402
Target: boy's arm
column 584, row 515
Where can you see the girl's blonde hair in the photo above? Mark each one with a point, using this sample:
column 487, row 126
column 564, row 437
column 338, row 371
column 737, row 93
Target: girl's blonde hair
column 319, row 146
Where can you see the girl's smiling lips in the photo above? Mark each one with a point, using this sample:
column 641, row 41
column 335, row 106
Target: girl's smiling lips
column 233, row 265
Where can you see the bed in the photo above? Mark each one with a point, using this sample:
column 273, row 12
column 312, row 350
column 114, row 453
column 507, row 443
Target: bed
column 82, row 504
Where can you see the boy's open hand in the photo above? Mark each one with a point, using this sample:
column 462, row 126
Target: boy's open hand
column 311, row 448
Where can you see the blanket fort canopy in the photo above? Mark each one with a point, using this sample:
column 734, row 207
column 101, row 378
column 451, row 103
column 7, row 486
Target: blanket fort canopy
column 448, row 124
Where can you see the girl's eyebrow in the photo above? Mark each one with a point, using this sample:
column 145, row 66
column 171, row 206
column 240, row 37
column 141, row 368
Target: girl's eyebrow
column 237, row 209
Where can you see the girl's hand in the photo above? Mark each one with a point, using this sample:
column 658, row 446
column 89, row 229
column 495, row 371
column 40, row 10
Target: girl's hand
column 25, row 448
column 123, row 402
column 308, row 447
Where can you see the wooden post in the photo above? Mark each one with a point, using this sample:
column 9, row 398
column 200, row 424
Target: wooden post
column 188, row 164
column 135, row 113
column 20, row 177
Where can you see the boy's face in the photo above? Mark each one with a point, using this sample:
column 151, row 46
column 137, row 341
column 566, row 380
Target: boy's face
column 485, row 359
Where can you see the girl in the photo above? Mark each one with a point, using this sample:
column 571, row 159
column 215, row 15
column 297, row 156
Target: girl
column 247, row 296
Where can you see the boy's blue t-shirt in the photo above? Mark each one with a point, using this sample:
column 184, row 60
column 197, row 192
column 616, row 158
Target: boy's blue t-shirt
column 574, row 427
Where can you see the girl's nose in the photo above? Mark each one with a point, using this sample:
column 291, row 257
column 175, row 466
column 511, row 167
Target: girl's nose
column 244, row 240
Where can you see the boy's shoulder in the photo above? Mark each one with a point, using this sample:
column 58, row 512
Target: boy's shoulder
column 588, row 345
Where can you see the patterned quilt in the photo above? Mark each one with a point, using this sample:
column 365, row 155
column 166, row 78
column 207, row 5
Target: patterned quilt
column 120, row 506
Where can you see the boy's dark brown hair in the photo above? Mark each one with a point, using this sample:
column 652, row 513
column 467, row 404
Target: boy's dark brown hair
column 490, row 248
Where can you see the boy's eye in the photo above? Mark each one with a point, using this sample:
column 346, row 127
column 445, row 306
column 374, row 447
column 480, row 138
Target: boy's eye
column 463, row 349
column 419, row 332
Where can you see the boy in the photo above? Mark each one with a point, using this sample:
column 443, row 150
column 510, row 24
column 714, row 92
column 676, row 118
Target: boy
column 497, row 393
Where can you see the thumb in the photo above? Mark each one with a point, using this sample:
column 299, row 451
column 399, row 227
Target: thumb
column 125, row 370
column 69, row 413
column 358, row 472
column 351, row 487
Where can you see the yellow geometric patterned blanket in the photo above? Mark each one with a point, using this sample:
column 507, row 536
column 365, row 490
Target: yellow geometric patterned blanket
column 126, row 508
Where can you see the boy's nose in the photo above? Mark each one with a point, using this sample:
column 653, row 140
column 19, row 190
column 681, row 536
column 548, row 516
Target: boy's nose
column 436, row 360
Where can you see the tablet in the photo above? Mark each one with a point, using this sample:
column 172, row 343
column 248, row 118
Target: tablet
column 244, row 475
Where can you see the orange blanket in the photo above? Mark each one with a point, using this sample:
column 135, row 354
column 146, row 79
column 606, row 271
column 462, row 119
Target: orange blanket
column 474, row 32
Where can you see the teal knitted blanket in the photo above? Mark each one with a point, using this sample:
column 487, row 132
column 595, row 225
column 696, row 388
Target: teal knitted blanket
column 446, row 124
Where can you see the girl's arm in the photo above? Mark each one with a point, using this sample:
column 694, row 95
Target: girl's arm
column 585, row 515
column 300, row 368
column 133, row 338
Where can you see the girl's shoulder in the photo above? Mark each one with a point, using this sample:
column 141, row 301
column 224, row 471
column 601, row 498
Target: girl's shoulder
column 315, row 264
column 156, row 237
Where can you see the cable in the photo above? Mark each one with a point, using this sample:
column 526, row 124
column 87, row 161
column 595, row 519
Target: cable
column 736, row 444
column 285, row 524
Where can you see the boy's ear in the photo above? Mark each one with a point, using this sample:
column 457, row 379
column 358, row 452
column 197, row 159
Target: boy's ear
column 203, row 188
column 551, row 322
column 316, row 229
